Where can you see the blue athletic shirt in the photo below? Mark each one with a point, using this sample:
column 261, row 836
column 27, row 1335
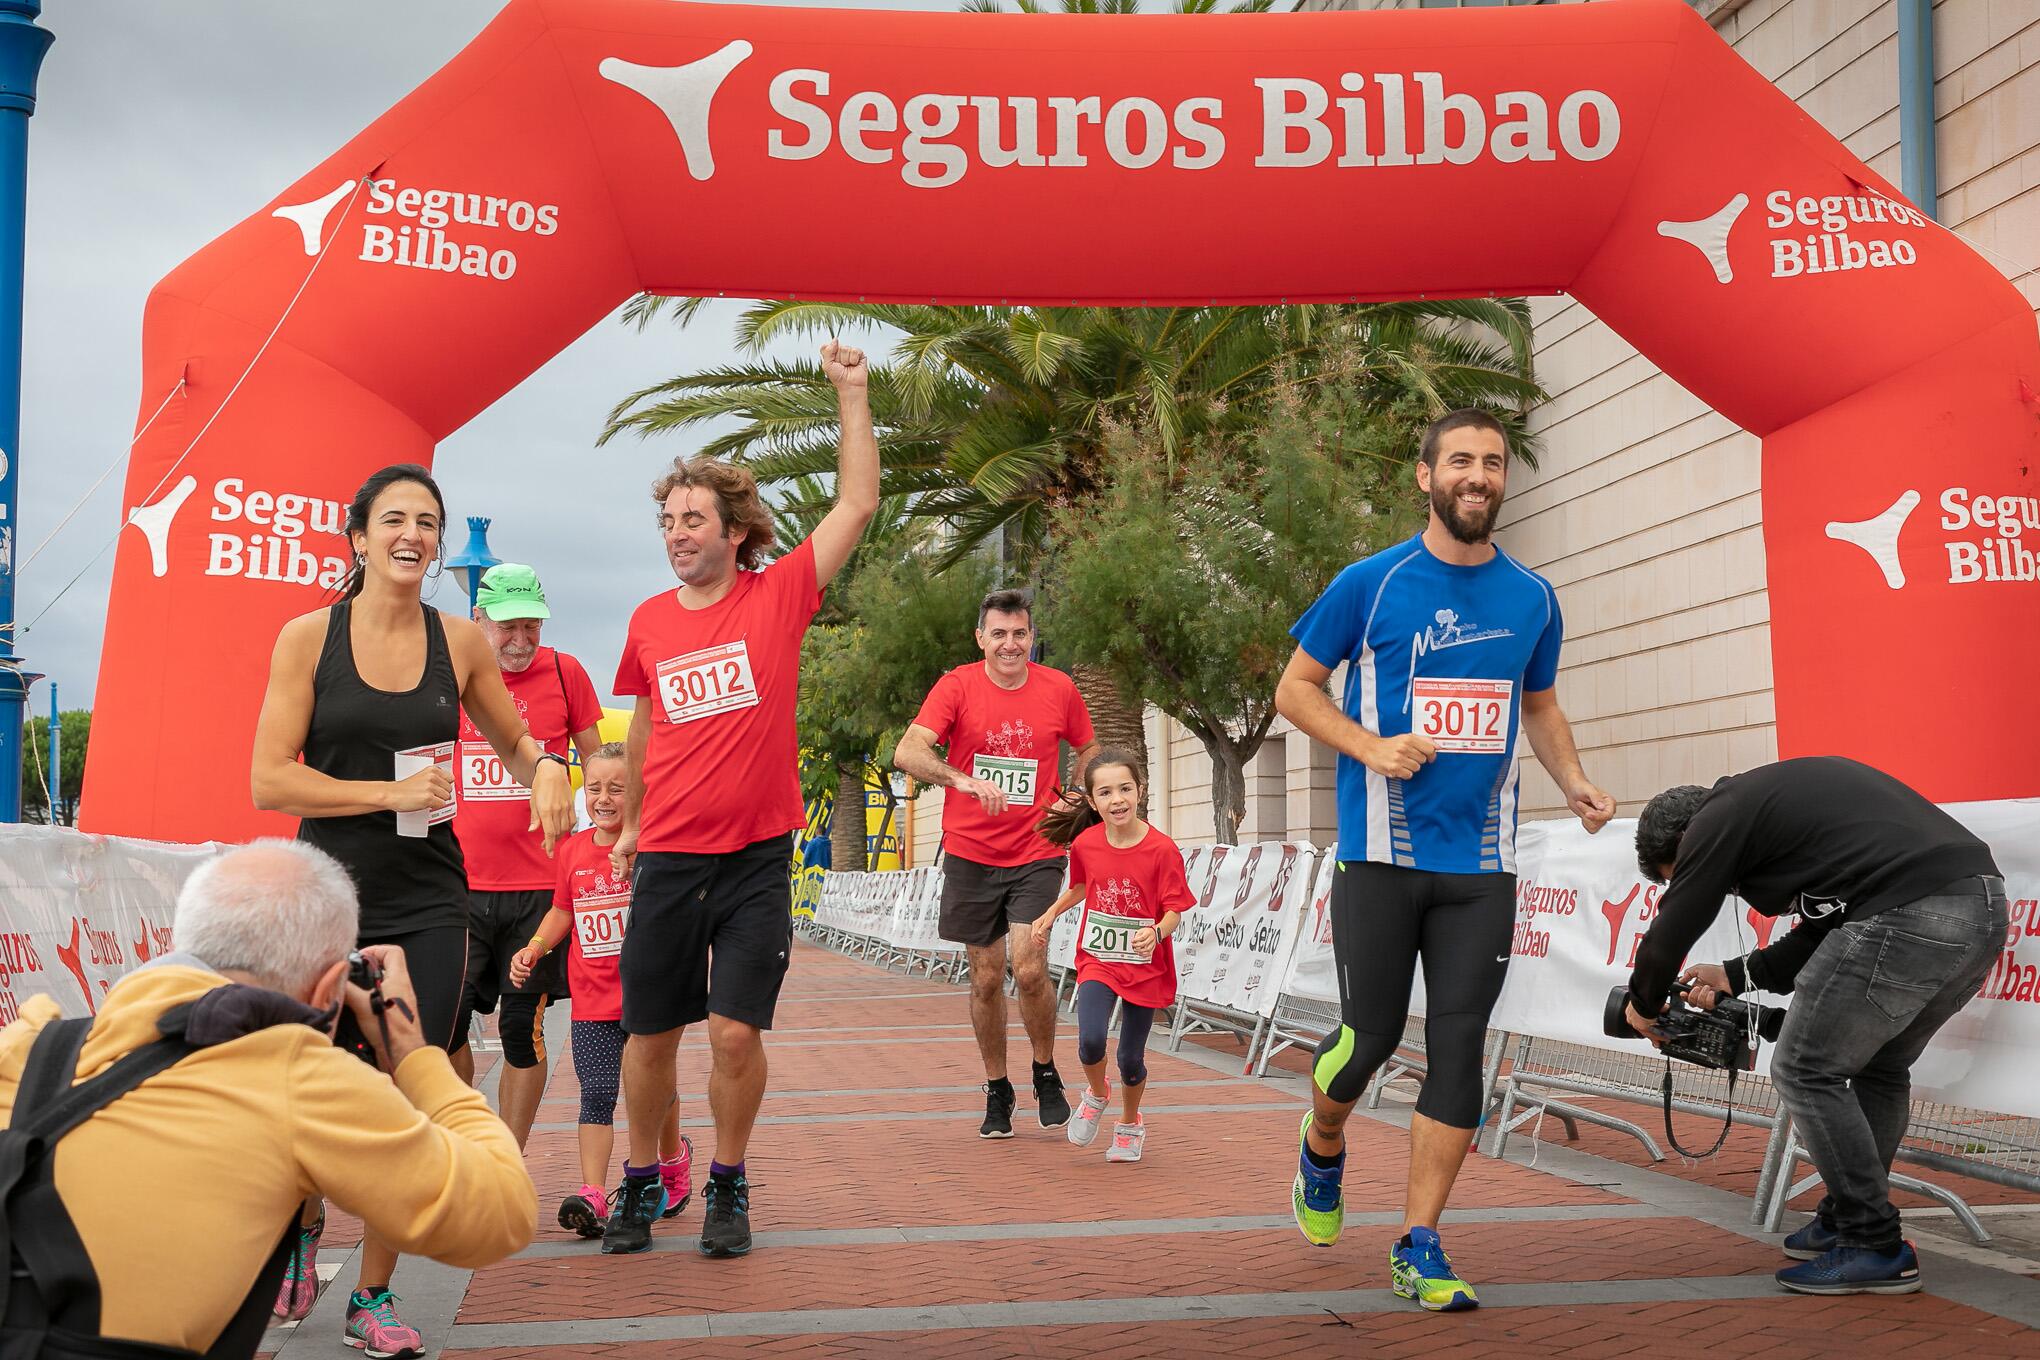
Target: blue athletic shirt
column 1446, row 651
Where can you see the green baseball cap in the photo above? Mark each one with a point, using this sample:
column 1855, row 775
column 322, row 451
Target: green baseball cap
column 510, row 590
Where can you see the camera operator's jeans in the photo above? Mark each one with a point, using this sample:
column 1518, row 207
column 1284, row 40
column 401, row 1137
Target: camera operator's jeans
column 1863, row 1009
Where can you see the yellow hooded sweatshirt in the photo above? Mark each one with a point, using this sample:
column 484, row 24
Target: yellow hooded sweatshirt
column 181, row 1188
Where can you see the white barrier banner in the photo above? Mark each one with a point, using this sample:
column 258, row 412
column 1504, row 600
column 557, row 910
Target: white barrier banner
column 77, row 911
column 1245, row 925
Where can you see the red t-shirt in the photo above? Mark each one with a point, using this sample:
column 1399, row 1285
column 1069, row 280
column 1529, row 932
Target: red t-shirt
column 1011, row 737
column 1141, row 884
column 723, row 769
column 600, row 902
column 556, row 699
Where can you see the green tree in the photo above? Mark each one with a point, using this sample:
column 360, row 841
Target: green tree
column 75, row 730
column 994, row 420
column 1185, row 575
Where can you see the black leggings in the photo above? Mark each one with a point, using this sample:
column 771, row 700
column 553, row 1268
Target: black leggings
column 1094, row 1017
column 437, row 962
column 1384, row 918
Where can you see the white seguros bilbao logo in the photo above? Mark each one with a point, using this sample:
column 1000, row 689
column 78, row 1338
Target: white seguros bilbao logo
column 1849, row 231
column 429, row 228
column 1995, row 546
column 263, row 535
column 936, row 139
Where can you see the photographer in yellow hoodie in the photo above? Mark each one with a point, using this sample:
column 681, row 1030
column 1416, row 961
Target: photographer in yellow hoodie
column 181, row 1190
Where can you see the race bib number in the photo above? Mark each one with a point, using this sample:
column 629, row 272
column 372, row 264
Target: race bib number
column 599, row 923
column 1014, row 777
column 704, row 683
column 1110, row 938
column 1463, row 715
column 483, row 778
column 408, row 763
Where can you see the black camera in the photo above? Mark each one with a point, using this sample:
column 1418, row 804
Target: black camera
column 1720, row 1038
column 364, row 972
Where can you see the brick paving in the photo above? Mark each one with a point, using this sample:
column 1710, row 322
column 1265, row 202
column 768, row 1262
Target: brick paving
column 867, row 1138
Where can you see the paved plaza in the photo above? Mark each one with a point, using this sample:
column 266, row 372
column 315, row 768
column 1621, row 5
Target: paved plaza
column 886, row 1228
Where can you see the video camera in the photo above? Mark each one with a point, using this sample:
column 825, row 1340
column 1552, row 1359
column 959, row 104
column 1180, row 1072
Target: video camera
column 1719, row 1039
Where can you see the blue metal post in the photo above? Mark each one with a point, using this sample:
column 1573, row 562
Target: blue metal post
column 22, row 46
column 1918, row 173
column 56, row 771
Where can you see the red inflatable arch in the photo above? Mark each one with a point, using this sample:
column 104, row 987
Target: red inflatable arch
column 581, row 150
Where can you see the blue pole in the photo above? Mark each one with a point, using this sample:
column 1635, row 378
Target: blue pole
column 22, row 46
column 1917, row 169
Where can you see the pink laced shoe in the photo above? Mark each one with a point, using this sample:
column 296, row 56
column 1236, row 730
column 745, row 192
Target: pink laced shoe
column 678, row 1178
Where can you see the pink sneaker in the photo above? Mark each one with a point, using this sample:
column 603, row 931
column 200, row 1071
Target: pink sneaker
column 584, row 1214
column 373, row 1328
column 678, row 1178
column 1127, row 1142
column 301, row 1274
column 1090, row 1109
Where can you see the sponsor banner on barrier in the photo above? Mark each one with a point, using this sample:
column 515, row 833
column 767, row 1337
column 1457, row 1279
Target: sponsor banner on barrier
column 82, row 910
column 1233, row 947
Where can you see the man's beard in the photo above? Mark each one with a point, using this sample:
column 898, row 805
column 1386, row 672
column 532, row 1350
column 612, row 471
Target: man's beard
column 1467, row 527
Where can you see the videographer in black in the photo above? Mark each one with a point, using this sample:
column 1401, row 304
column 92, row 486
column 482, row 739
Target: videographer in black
column 1901, row 912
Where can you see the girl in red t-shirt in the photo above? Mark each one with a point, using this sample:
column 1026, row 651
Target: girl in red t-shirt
column 591, row 907
column 1130, row 879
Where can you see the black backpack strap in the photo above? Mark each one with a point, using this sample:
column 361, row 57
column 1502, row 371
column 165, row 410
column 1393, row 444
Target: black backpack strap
column 41, row 1243
column 52, row 1063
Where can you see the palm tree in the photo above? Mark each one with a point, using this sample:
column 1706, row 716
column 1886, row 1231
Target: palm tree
column 993, row 418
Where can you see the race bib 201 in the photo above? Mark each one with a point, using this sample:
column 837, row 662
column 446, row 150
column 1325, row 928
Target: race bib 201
column 1110, row 938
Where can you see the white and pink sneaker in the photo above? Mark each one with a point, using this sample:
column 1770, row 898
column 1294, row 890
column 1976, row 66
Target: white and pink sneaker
column 1084, row 1123
column 1127, row 1142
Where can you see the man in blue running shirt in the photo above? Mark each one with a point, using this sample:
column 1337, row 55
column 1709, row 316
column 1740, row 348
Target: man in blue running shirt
column 1452, row 649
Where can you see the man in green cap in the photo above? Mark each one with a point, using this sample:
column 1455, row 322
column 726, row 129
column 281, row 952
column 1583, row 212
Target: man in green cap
column 510, row 877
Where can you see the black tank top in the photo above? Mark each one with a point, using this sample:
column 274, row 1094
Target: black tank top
column 406, row 883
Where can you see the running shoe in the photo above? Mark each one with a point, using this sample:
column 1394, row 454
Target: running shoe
column 1316, row 1196
column 373, row 1328
column 678, row 1178
column 301, row 1274
column 1813, row 1240
column 1127, row 1142
column 1421, row 1271
column 1048, row 1094
column 726, row 1216
column 583, row 1214
column 1856, row 1270
column 998, row 1113
column 637, row 1202
column 1090, row 1112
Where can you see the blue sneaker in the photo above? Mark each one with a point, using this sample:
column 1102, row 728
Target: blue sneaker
column 1423, row 1272
column 1815, row 1239
column 1316, row 1199
column 638, row 1201
column 1856, row 1270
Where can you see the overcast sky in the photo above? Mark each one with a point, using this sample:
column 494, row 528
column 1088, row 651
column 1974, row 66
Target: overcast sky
column 158, row 126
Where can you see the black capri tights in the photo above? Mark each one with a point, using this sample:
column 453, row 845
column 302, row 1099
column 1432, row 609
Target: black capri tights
column 1384, row 918
column 1094, row 1018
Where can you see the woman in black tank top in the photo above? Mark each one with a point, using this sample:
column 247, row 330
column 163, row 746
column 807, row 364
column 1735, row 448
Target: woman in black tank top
column 369, row 693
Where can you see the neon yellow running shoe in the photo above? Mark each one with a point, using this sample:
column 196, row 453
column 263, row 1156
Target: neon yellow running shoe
column 1421, row 1271
column 1319, row 1203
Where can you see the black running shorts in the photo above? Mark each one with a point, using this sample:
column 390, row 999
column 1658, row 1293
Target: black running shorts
column 981, row 902
column 709, row 934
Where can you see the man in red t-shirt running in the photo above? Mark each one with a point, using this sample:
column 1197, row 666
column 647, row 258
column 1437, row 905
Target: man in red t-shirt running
column 1003, row 721
column 714, row 799
column 510, row 876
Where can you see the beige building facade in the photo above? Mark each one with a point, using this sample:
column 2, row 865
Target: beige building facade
column 1644, row 513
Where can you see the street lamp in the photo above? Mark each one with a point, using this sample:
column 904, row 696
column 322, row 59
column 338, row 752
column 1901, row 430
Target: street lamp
column 475, row 558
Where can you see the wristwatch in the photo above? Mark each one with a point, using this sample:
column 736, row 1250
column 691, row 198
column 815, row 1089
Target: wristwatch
column 548, row 755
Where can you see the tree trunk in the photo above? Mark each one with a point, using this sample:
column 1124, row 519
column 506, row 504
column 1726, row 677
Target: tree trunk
column 1117, row 722
column 1228, row 790
column 846, row 821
